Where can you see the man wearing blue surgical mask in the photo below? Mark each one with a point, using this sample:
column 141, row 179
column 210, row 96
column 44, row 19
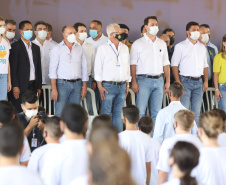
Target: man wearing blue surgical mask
column 25, row 64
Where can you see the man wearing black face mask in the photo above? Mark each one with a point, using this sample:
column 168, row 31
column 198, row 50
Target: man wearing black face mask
column 125, row 34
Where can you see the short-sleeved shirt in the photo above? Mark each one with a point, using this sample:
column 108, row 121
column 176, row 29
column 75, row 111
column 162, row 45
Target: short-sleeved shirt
column 219, row 66
column 4, row 56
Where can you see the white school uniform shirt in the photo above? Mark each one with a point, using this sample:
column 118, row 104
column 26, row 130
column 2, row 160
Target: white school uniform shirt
column 109, row 67
column 190, row 58
column 165, row 120
column 36, row 161
column 138, row 146
column 222, row 139
column 14, row 175
column 168, row 145
column 103, row 39
column 68, row 65
column 90, row 52
column 63, row 163
column 176, row 181
column 45, row 50
column 4, row 56
column 26, row 153
column 30, row 56
column 83, row 180
column 149, row 57
column 212, row 166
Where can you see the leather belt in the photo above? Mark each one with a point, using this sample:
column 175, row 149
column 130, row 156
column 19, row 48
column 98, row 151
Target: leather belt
column 114, row 83
column 192, row 78
column 71, row 80
column 150, row 76
column 31, row 82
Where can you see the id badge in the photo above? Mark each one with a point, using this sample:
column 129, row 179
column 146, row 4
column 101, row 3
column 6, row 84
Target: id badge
column 34, row 142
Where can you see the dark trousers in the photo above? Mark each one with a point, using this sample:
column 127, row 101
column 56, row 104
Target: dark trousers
column 17, row 102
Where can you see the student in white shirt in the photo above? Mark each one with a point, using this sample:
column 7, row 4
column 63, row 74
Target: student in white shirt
column 68, row 71
column 183, row 158
column 51, row 133
column 165, row 118
column 184, row 121
column 11, row 143
column 90, row 52
column 69, row 160
column 146, row 125
column 112, row 73
column 49, row 34
column 190, row 59
column 149, row 60
column 211, row 168
column 137, row 144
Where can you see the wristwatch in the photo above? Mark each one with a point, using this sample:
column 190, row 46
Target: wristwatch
column 216, row 89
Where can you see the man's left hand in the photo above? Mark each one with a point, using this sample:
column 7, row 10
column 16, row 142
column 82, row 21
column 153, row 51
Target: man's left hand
column 39, row 92
column 205, row 86
column 83, row 92
column 166, row 87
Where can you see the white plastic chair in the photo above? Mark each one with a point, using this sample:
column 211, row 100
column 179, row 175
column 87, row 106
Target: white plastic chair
column 210, row 99
column 48, row 88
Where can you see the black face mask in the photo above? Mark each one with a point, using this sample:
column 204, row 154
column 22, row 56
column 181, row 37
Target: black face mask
column 124, row 36
column 119, row 37
column 172, row 39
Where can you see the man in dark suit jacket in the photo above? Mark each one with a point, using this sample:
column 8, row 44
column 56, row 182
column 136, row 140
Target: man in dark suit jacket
column 25, row 63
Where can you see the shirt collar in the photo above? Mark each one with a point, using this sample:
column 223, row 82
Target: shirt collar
column 26, row 43
column 36, row 40
column 63, row 44
column 175, row 102
column 189, row 42
column 111, row 43
column 148, row 39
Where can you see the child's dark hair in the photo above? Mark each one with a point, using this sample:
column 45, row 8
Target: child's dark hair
column 131, row 112
column 101, row 120
column 146, row 124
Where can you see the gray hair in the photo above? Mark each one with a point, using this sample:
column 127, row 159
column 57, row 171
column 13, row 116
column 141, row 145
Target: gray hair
column 165, row 36
column 111, row 28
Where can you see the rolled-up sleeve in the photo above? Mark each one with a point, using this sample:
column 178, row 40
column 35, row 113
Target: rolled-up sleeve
column 98, row 66
column 54, row 62
column 176, row 58
column 134, row 54
column 85, row 76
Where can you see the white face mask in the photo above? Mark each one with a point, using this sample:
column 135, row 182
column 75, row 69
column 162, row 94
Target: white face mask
column 2, row 30
column 31, row 113
column 82, row 36
column 205, row 38
column 71, row 38
column 42, row 34
column 10, row 35
column 195, row 35
column 154, row 30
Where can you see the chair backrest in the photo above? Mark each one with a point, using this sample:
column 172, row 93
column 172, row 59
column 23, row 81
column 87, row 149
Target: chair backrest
column 47, row 91
column 211, row 100
column 165, row 101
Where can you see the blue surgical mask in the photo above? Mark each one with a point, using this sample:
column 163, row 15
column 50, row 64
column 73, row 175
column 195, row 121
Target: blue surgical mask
column 93, row 33
column 28, row 34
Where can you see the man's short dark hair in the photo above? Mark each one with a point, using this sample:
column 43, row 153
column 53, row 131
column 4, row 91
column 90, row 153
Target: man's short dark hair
column 52, row 125
column 168, row 30
column 101, row 120
column 98, row 22
column 29, row 97
column 146, row 124
column 124, row 26
column 10, row 21
column 190, row 24
column 74, row 117
column 141, row 29
column 22, row 24
column 146, row 20
column 177, row 89
column 204, row 26
column 49, row 27
column 11, row 139
column 39, row 23
column 131, row 112
column 6, row 112
column 77, row 24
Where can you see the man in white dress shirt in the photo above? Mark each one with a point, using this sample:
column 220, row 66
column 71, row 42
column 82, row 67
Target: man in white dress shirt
column 190, row 59
column 149, row 60
column 112, row 73
column 67, row 71
column 89, row 51
column 49, row 33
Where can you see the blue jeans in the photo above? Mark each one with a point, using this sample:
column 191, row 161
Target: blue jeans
column 114, row 102
column 151, row 93
column 3, row 86
column 88, row 97
column 222, row 102
column 68, row 92
column 193, row 93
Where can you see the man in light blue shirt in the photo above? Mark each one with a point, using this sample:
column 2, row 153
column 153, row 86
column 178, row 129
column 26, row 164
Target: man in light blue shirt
column 165, row 119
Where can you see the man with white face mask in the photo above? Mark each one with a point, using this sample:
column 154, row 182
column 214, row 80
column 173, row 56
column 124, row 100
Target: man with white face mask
column 68, row 71
column 190, row 59
column 33, row 126
column 10, row 30
column 149, row 61
column 89, row 51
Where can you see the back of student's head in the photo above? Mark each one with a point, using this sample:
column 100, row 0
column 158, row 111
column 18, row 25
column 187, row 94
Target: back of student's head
column 146, row 124
column 101, row 120
column 186, row 156
column 185, row 119
column 110, row 164
column 103, row 133
column 52, row 127
column 212, row 123
column 176, row 89
column 223, row 116
column 131, row 113
column 29, row 97
column 6, row 112
column 11, row 139
column 75, row 117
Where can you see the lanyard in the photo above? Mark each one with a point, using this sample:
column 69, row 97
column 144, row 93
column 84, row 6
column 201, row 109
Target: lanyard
column 117, row 55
